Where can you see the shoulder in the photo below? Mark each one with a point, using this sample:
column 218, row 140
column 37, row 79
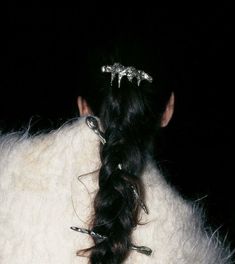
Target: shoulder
column 176, row 228
column 73, row 148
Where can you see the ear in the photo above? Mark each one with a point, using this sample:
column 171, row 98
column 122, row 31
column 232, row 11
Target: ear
column 168, row 113
column 83, row 106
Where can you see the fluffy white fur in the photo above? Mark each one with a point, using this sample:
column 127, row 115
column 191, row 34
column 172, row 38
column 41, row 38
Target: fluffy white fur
column 47, row 184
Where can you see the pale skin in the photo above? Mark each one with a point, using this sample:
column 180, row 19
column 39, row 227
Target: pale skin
column 85, row 110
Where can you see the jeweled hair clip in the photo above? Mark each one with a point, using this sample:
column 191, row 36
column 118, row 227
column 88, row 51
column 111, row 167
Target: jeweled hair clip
column 130, row 72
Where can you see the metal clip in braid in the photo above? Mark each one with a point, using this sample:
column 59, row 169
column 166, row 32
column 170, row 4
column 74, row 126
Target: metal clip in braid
column 92, row 123
column 141, row 203
column 89, row 232
column 142, row 249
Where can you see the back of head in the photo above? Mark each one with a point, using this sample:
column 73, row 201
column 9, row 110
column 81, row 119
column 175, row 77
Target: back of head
column 130, row 114
column 139, row 52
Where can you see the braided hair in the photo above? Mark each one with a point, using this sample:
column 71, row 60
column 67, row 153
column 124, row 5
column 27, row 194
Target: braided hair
column 130, row 117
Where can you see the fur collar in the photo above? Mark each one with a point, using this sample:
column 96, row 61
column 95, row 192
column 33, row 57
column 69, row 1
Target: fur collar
column 47, row 184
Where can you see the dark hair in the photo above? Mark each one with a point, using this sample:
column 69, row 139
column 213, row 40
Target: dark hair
column 130, row 116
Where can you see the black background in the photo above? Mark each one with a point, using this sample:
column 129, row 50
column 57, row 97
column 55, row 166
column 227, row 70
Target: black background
column 40, row 60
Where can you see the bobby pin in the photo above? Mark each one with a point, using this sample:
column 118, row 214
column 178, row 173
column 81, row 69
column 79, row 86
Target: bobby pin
column 141, row 249
column 89, row 232
column 92, row 123
column 139, row 199
column 136, row 194
column 120, row 166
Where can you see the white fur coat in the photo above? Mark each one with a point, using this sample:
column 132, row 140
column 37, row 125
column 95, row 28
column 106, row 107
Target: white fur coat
column 47, row 185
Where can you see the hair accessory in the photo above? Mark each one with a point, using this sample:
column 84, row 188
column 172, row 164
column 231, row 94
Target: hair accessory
column 130, row 72
column 120, row 166
column 139, row 199
column 141, row 249
column 141, row 203
column 89, row 232
column 92, row 123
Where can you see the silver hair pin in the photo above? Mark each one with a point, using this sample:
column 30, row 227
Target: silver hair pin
column 120, row 166
column 130, row 72
column 141, row 249
column 92, row 123
column 89, row 232
column 141, row 203
column 139, row 199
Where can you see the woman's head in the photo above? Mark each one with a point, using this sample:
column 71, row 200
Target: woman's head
column 97, row 88
column 130, row 114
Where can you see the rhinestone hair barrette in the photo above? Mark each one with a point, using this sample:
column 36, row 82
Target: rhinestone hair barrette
column 130, row 72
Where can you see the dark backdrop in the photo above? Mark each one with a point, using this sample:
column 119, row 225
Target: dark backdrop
column 39, row 81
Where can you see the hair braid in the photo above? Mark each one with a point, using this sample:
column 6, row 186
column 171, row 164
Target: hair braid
column 130, row 116
column 116, row 207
